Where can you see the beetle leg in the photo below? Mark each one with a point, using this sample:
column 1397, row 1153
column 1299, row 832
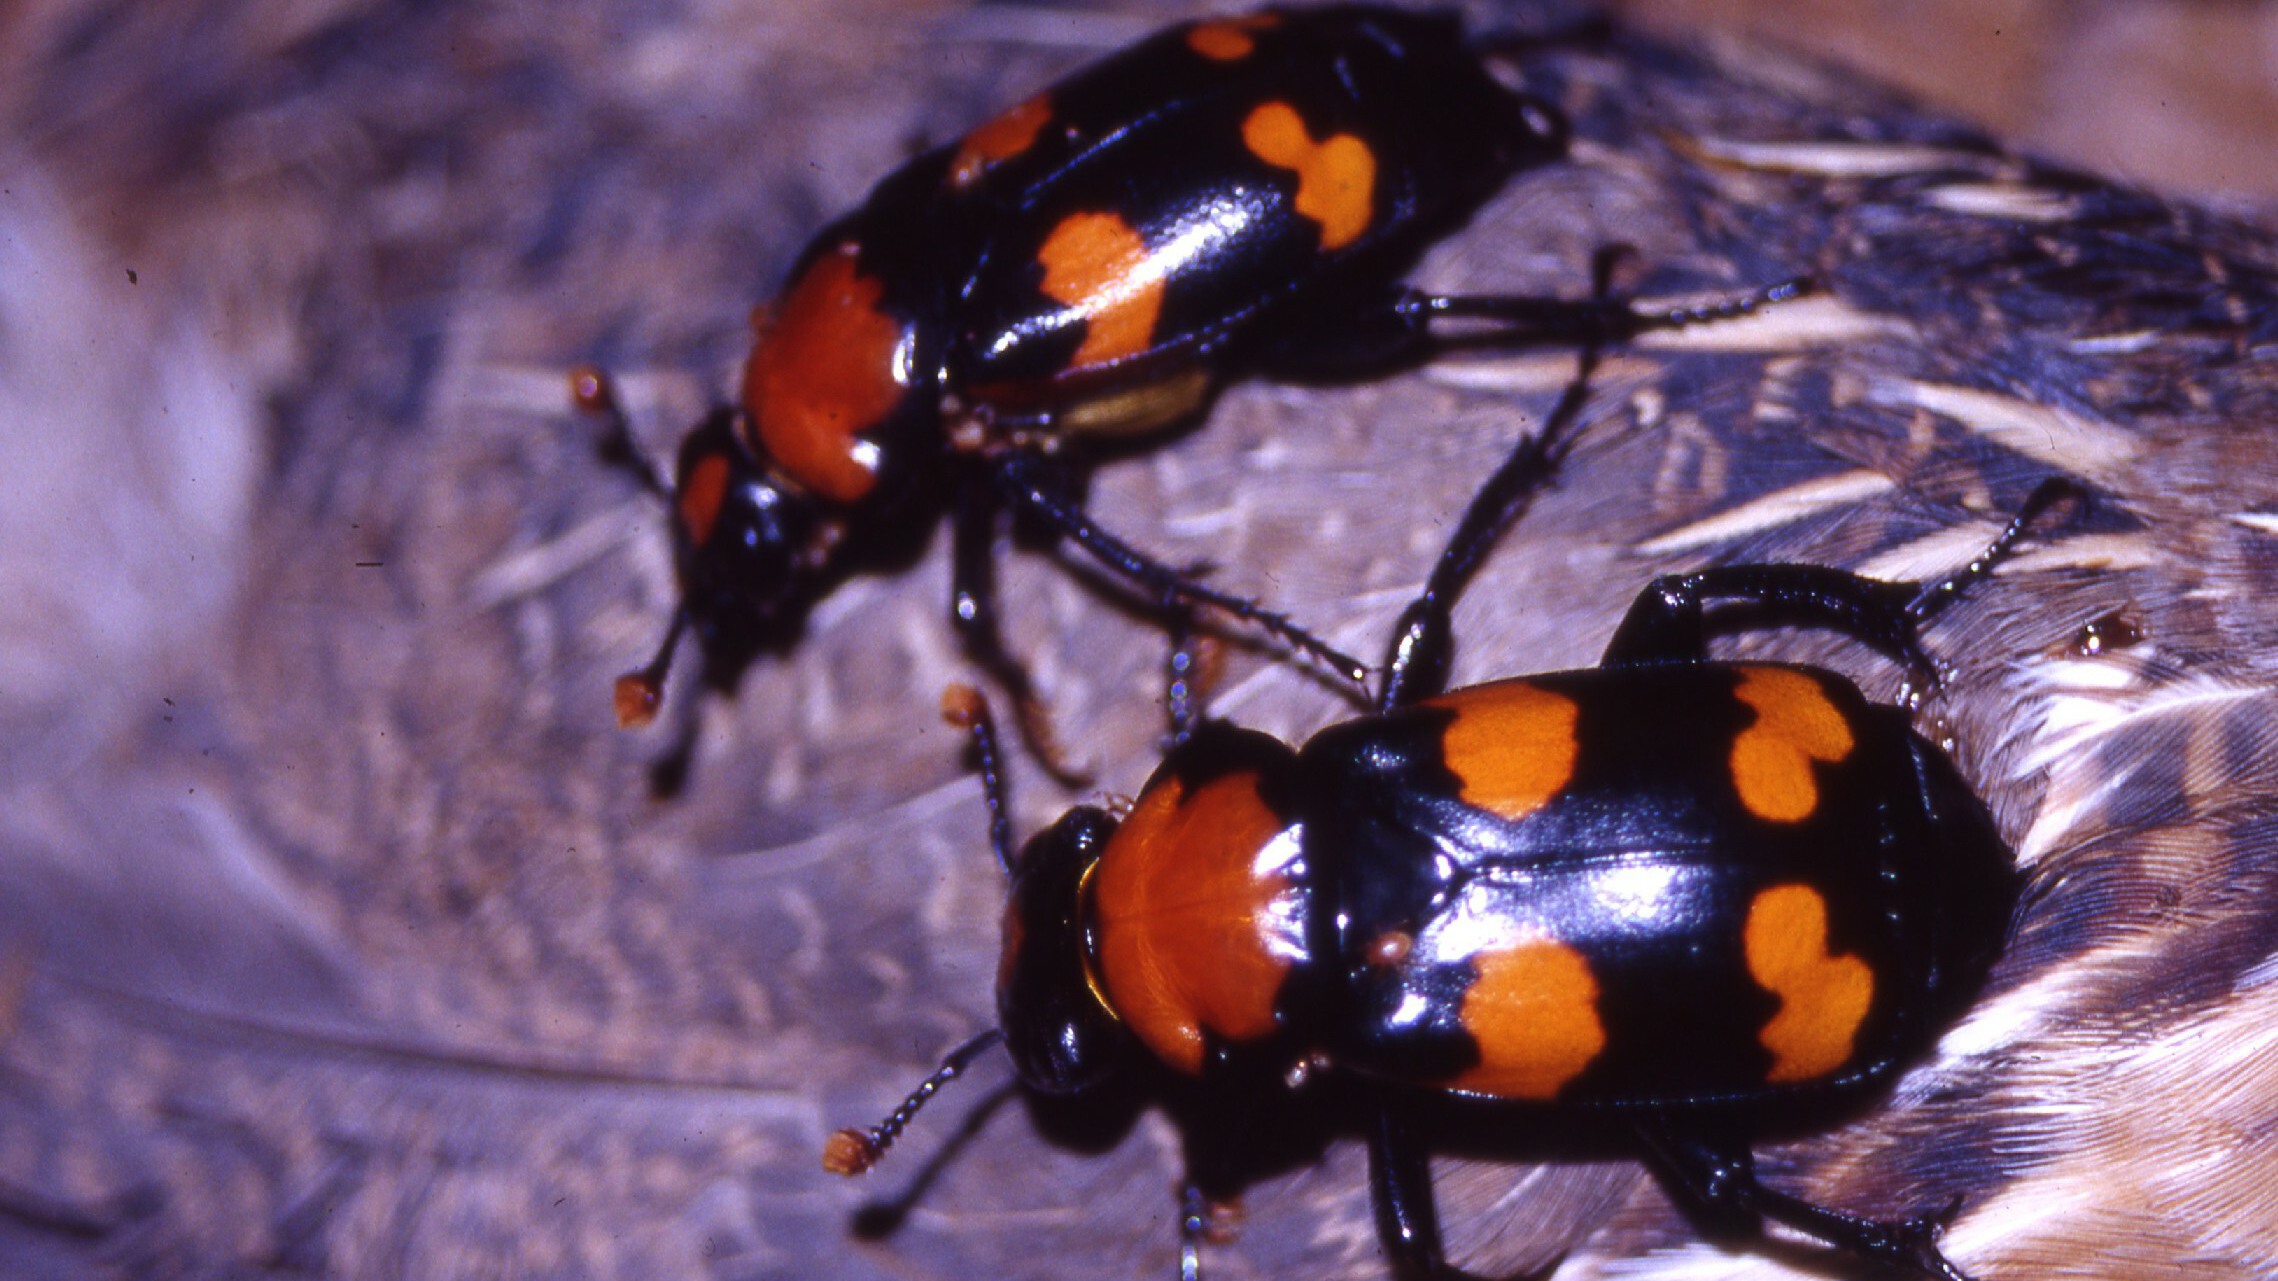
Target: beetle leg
column 1416, row 662
column 1667, row 622
column 973, row 612
column 1407, row 1214
column 1603, row 317
column 1401, row 326
column 1023, row 483
column 1219, row 1142
column 1194, row 1225
column 1721, row 1176
column 1518, row 319
column 1400, row 1185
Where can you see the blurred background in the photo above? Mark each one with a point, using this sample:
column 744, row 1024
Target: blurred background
column 2181, row 95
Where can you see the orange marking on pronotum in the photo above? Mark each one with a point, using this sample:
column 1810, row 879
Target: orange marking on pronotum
column 1795, row 725
column 1511, row 745
column 999, row 140
column 1095, row 264
column 701, row 497
column 1198, row 915
column 1534, row 1012
column 1823, row 998
column 1336, row 178
column 826, row 368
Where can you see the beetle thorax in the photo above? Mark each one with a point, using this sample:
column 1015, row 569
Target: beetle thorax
column 829, row 364
column 1199, row 913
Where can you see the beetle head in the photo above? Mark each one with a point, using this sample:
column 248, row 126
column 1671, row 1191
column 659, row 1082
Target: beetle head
column 1061, row 1034
column 750, row 549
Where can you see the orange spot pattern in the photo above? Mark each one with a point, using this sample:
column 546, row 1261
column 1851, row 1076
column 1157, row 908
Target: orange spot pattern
column 1534, row 1012
column 1228, row 39
column 700, row 498
column 1198, row 922
column 1511, row 745
column 999, row 140
column 1096, row 265
column 823, row 371
column 1795, row 725
column 1336, row 179
column 1823, row 998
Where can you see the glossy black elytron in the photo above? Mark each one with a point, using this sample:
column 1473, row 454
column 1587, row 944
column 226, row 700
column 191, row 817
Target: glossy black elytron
column 1647, row 875
column 1227, row 198
column 1698, row 897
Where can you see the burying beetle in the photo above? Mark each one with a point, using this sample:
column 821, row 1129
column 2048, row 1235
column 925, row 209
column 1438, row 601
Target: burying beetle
column 1695, row 896
column 1227, row 198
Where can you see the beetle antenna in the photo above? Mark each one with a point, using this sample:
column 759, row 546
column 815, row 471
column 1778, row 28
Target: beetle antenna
column 1934, row 597
column 967, row 708
column 850, row 1151
column 638, row 692
column 595, row 392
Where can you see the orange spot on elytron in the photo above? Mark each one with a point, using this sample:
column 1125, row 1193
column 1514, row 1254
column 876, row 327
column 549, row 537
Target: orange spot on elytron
column 1228, row 38
column 1336, row 179
column 1511, row 745
column 998, row 140
column 701, row 496
column 1795, row 725
column 1095, row 264
column 821, row 374
column 1199, row 916
column 1534, row 1012
column 1823, row 998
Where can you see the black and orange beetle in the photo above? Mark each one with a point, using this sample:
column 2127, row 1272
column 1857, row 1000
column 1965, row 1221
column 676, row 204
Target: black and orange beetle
column 1228, row 197
column 1693, row 896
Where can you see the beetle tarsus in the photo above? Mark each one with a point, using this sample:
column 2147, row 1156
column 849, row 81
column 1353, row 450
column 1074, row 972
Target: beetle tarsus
column 1935, row 596
column 1604, row 318
column 973, row 614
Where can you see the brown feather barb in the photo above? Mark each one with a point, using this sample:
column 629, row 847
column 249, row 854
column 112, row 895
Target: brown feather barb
column 336, row 938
